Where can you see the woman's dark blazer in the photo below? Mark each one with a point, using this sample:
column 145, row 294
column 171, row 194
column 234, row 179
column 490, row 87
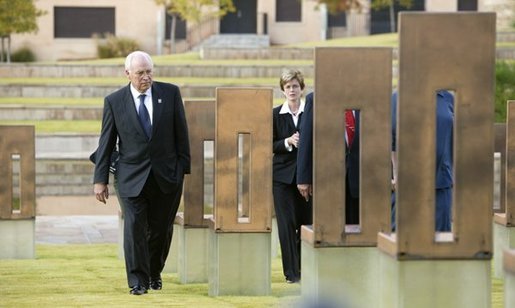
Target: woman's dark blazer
column 284, row 162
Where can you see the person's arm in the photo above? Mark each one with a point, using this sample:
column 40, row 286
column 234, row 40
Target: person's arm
column 106, row 145
column 394, row 140
column 305, row 151
column 394, row 171
column 182, row 141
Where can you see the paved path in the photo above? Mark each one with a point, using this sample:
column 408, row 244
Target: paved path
column 76, row 220
column 83, row 229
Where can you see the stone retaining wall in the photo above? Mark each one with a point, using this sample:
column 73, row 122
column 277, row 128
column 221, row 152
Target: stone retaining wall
column 63, row 166
column 40, row 113
column 17, row 70
column 74, row 91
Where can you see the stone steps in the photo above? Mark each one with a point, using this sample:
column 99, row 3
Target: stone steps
column 63, row 166
column 59, row 176
column 65, row 146
column 265, row 70
column 17, row 70
column 66, row 177
column 287, row 54
column 42, row 113
column 78, row 91
column 255, row 41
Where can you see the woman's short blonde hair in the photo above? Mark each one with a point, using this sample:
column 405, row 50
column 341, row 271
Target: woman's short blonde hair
column 290, row 75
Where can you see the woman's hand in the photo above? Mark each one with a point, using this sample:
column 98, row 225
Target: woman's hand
column 294, row 139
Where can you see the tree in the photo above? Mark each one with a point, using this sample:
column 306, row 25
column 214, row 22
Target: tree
column 337, row 6
column 379, row 4
column 195, row 11
column 16, row 16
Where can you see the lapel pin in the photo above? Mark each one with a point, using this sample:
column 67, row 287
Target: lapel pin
column 159, row 101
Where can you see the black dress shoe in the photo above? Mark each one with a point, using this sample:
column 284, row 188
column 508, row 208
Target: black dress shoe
column 156, row 284
column 138, row 290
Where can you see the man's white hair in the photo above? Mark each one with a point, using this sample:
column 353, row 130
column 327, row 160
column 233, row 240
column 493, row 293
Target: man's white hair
column 137, row 54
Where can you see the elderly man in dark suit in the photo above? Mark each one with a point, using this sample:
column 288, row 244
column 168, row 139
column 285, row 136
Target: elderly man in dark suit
column 148, row 120
column 305, row 160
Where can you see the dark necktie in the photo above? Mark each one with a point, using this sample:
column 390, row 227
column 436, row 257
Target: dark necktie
column 144, row 118
column 350, row 126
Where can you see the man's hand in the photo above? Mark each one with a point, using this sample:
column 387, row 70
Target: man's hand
column 101, row 192
column 306, row 190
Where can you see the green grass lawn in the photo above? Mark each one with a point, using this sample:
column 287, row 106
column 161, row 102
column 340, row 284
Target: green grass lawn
column 376, row 40
column 190, row 58
column 61, row 126
column 94, row 276
column 121, row 81
column 53, row 101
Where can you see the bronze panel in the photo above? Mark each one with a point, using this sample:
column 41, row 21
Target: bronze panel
column 360, row 79
column 243, row 111
column 510, row 167
column 453, row 51
column 500, row 147
column 18, row 140
column 201, row 123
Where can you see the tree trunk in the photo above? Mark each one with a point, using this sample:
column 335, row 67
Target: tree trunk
column 172, row 33
column 2, row 52
column 8, row 49
column 199, row 32
column 392, row 17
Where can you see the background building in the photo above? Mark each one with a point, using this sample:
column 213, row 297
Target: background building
column 66, row 31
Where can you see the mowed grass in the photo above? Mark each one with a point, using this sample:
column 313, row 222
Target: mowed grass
column 76, row 101
column 53, row 101
column 94, row 276
column 376, row 40
column 120, row 81
column 188, row 58
column 59, row 126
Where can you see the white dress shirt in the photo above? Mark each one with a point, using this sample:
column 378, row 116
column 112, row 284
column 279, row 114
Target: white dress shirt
column 295, row 116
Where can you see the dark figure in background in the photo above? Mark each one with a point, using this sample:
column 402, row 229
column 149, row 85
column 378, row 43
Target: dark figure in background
column 305, row 160
column 291, row 209
column 444, row 159
column 149, row 122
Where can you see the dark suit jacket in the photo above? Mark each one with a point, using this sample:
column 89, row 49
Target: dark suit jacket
column 284, row 162
column 305, row 151
column 166, row 154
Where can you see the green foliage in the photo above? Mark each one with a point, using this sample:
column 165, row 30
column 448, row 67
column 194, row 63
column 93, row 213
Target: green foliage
column 114, row 47
column 338, row 6
column 195, row 10
column 504, row 88
column 23, row 54
column 18, row 16
column 381, row 4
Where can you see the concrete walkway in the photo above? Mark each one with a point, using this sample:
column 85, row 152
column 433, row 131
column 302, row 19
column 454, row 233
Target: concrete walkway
column 76, row 220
